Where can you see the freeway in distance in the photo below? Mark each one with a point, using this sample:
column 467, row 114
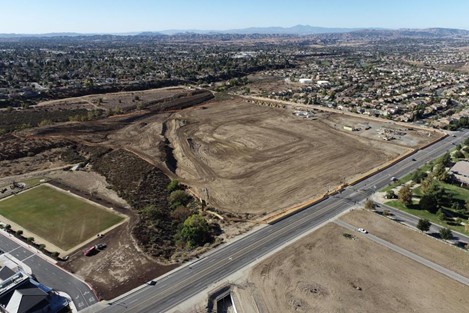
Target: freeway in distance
column 227, row 259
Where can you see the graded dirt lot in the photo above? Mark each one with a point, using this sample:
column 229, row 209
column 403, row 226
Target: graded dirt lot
column 434, row 250
column 119, row 268
column 327, row 272
column 247, row 158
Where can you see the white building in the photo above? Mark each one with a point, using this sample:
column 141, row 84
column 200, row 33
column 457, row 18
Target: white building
column 323, row 83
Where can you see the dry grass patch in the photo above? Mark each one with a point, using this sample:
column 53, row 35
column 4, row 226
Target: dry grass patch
column 327, row 272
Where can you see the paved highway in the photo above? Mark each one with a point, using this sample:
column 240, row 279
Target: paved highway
column 227, row 259
column 49, row 274
column 453, row 275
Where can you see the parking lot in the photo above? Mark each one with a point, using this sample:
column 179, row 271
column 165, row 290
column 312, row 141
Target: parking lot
column 47, row 273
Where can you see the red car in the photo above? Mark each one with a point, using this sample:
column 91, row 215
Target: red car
column 90, row 251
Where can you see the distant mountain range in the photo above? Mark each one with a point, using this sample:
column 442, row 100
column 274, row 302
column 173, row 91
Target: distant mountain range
column 298, row 30
column 294, row 30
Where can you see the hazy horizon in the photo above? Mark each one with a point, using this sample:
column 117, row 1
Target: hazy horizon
column 119, row 16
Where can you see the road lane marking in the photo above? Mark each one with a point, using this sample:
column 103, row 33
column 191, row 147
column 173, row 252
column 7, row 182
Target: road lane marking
column 310, row 217
column 27, row 258
column 203, row 273
column 9, row 252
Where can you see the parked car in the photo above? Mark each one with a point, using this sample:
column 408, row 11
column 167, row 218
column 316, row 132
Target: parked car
column 90, row 251
column 362, row 230
column 100, row 246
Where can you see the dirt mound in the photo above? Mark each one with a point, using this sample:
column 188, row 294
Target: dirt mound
column 312, row 289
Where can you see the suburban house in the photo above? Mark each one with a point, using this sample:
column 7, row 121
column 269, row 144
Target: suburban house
column 460, row 171
column 21, row 293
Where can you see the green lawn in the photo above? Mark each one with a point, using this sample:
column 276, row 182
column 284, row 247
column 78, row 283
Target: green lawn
column 406, row 178
column 56, row 216
column 425, row 214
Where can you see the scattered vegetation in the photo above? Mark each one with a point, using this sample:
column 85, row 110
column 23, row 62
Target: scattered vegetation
column 438, row 198
column 169, row 215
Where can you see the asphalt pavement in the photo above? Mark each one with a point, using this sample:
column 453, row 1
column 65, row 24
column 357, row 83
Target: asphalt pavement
column 453, row 275
column 49, row 274
column 190, row 279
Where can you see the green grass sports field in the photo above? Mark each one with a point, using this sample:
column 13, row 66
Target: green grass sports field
column 57, row 217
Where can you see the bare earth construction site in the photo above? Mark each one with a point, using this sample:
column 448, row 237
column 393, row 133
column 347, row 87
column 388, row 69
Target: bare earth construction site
column 337, row 270
column 246, row 158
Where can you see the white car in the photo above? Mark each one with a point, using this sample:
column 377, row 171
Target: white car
column 362, row 230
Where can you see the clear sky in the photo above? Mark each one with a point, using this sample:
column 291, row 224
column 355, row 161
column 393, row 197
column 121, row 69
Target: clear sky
column 112, row 16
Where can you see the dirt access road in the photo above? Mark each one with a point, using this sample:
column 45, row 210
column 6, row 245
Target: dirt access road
column 246, row 158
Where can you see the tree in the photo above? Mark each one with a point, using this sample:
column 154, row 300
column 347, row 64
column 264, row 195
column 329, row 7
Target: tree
column 429, row 203
column 194, row 232
column 424, row 225
column 440, row 172
column 466, row 141
column 427, row 183
column 445, row 160
column 180, row 214
column 405, row 195
column 441, row 215
column 445, row 233
column 369, row 204
column 390, row 194
column 458, row 155
column 173, row 185
column 418, row 176
column 178, row 198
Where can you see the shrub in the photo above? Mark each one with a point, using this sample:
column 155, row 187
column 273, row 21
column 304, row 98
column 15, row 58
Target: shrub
column 178, row 198
column 369, row 204
column 390, row 194
column 19, row 232
column 173, row 185
column 445, row 233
